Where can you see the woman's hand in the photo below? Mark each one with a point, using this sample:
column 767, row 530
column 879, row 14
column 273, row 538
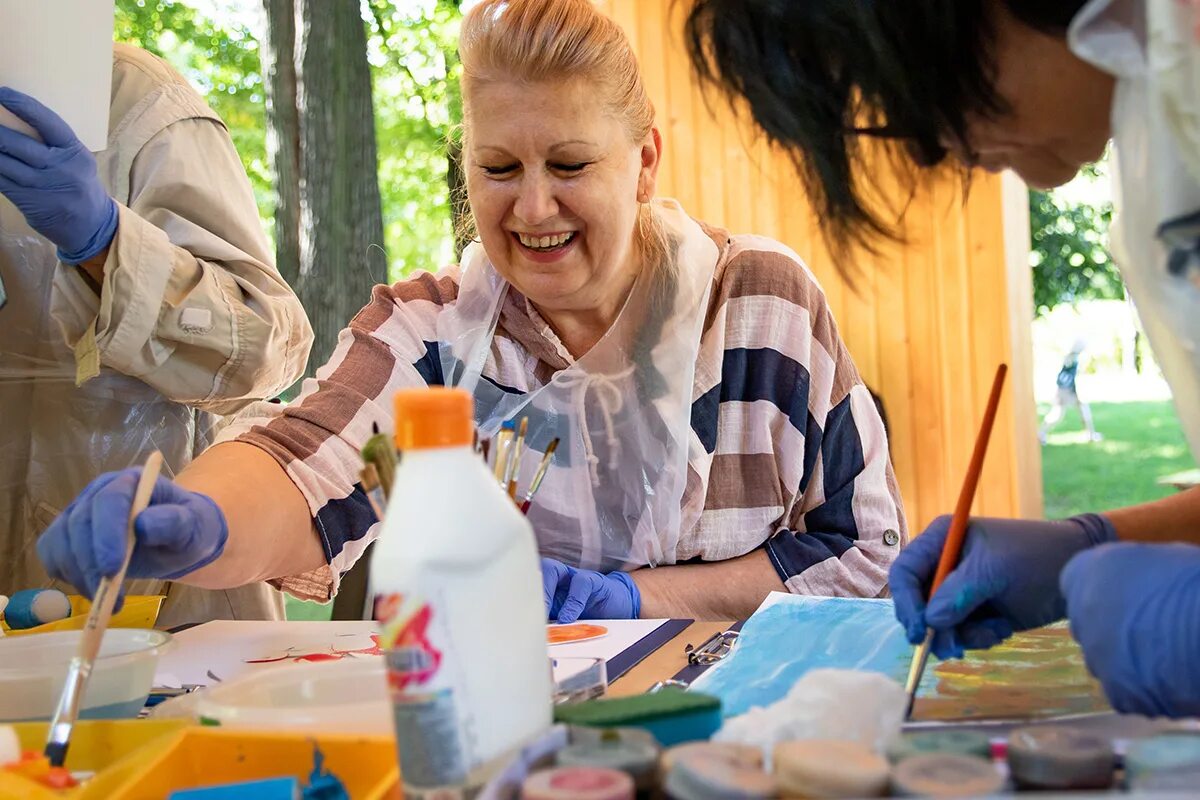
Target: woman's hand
column 1135, row 610
column 1006, row 580
column 54, row 182
column 573, row 594
column 178, row 533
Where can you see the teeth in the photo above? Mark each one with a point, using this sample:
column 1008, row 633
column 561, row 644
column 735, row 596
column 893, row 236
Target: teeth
column 543, row 242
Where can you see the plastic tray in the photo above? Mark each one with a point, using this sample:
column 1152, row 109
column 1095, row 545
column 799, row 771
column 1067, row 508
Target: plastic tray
column 200, row 757
column 139, row 611
column 100, row 746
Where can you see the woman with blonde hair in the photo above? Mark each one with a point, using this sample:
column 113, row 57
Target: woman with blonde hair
column 716, row 440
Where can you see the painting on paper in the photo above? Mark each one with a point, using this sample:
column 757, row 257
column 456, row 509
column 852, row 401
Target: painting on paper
column 1036, row 674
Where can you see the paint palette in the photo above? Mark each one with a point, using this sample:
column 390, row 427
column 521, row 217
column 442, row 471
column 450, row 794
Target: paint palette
column 574, row 632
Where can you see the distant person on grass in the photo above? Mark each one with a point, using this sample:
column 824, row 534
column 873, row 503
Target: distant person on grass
column 1068, row 396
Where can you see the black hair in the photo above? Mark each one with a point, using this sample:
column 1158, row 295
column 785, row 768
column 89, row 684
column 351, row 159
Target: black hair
column 821, row 77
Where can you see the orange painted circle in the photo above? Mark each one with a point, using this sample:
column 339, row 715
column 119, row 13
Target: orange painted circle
column 575, row 632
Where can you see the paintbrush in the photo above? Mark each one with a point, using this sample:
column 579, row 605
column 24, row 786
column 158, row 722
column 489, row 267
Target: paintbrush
column 381, row 452
column 538, row 476
column 503, row 442
column 80, row 670
column 514, row 462
column 369, row 478
column 958, row 529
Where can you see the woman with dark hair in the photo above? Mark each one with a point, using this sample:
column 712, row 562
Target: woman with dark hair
column 1038, row 87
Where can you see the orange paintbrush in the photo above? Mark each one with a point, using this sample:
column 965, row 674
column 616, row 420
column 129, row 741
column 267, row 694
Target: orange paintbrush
column 958, row 529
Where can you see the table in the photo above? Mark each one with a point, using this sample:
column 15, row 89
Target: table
column 667, row 660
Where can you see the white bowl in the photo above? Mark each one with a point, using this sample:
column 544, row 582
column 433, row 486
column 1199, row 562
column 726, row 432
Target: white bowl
column 33, row 669
column 348, row 696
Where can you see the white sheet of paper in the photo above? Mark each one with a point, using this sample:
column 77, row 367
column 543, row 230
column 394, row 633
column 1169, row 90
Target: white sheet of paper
column 622, row 634
column 223, row 647
column 60, row 52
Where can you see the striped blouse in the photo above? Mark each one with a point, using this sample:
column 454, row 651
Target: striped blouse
column 788, row 451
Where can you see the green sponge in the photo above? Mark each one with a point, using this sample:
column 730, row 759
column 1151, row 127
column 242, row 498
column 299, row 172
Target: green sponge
column 672, row 716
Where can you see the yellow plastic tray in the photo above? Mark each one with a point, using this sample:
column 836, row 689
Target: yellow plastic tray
column 200, row 757
column 101, row 746
column 139, row 611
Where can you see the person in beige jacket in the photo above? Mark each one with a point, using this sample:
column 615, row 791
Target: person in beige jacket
column 131, row 337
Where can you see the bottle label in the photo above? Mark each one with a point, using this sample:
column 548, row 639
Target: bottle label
column 433, row 762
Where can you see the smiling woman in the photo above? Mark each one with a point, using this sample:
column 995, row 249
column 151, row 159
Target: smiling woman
column 716, row 442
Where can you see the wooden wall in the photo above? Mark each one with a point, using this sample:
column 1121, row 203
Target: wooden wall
column 927, row 323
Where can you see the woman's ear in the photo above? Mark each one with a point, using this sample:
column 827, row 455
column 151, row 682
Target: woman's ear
column 651, row 158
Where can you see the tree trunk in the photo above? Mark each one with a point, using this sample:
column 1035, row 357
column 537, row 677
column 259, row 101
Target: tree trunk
column 283, row 131
column 322, row 124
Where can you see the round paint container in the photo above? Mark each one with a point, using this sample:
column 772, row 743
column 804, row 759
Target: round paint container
column 578, row 783
column 816, row 768
column 1059, row 757
column 32, row 607
column 630, row 750
column 963, row 743
column 1167, row 762
column 945, row 775
column 716, row 771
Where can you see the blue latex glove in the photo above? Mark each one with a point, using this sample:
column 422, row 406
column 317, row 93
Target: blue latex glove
column 54, row 182
column 179, row 532
column 1135, row 610
column 573, row 594
column 1006, row 579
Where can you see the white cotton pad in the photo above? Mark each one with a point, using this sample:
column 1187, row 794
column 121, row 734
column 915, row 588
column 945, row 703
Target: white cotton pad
column 32, row 607
column 817, row 768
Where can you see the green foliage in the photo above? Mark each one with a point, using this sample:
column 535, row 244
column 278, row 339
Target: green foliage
column 1069, row 255
column 411, row 50
column 221, row 60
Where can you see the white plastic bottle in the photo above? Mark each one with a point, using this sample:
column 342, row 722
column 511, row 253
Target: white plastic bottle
column 457, row 586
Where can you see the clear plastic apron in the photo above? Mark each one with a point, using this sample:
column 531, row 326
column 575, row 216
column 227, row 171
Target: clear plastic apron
column 612, row 496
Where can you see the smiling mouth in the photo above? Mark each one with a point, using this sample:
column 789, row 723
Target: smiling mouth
column 546, row 244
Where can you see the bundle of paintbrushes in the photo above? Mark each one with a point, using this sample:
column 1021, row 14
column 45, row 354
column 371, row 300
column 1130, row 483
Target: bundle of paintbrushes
column 506, row 451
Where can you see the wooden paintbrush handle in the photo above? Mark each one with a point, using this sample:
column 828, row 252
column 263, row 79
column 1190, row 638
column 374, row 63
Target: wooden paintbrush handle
column 962, row 511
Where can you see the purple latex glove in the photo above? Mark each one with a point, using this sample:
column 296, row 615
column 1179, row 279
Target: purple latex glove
column 1006, row 579
column 178, row 533
column 54, row 182
column 573, row 594
column 1135, row 610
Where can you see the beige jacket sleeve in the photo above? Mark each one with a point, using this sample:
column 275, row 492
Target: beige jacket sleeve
column 191, row 303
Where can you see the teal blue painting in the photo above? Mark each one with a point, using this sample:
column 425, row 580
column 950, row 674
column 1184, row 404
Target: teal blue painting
column 782, row 642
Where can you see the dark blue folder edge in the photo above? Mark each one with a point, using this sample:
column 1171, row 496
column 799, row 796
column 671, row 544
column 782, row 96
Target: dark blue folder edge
column 693, row 671
column 633, row 655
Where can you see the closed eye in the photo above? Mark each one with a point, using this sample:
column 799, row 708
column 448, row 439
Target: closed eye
column 570, row 167
column 499, row 170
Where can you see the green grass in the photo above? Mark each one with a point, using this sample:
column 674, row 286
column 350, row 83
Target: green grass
column 1142, row 443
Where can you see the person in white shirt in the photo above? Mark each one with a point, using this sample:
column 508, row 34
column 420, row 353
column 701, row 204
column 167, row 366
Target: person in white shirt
column 142, row 299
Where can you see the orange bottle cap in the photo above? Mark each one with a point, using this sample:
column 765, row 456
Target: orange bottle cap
column 435, row 416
